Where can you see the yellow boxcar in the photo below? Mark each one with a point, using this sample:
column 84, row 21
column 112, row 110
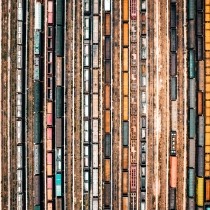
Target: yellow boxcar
column 207, row 9
column 207, row 168
column 207, row 87
column 125, row 182
column 207, row 139
column 207, row 111
column 125, row 59
column 125, row 83
column 208, row 104
column 207, row 157
column 207, row 120
column 207, row 17
column 207, row 149
column 107, row 169
column 207, row 46
column 207, row 35
column 207, row 2
column 125, row 108
column 125, row 10
column 207, row 63
column 107, row 121
column 207, row 96
column 208, row 129
column 207, row 70
column 125, row 34
column 207, row 55
column 207, row 26
column 199, row 191
column 208, row 79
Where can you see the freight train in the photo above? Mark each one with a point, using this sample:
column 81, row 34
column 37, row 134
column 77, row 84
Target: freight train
column 20, row 100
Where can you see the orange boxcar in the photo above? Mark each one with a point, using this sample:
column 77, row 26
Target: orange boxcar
column 200, row 103
column 107, row 121
column 125, row 158
column 173, row 171
column 107, row 169
column 107, row 96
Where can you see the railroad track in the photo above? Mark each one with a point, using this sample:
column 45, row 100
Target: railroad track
column 4, row 106
column 116, row 114
column 77, row 189
column 69, row 100
column 30, row 121
column 13, row 65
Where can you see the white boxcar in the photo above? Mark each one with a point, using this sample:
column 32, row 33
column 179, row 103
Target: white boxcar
column 95, row 105
column 87, row 28
column 95, row 7
column 19, row 56
column 19, row 201
column 95, row 155
column 38, row 16
column 86, row 131
column 20, row 14
column 95, row 131
column 19, row 32
column 107, row 5
column 95, row 81
column 86, row 55
column 19, row 181
column 19, row 99
column 19, row 157
column 86, row 80
column 19, row 81
column 95, row 56
column 95, row 203
column 19, row 131
column 95, row 29
column 143, row 97
column 86, row 106
column 18, row 111
column 95, row 182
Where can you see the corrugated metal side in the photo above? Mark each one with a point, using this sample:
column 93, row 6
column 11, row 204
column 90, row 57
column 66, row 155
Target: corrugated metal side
column 192, row 93
column 199, row 191
column 201, row 131
column 191, row 182
column 107, row 194
column 125, row 158
column 37, row 128
column 125, row 133
column 107, row 96
column 107, row 170
column 107, row 127
column 191, row 60
column 59, row 12
column 191, row 152
column 192, row 123
column 200, row 161
column 59, row 41
column 59, row 133
column 59, row 102
column 200, row 103
column 125, row 10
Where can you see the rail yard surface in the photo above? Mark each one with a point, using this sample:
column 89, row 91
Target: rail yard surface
column 105, row 104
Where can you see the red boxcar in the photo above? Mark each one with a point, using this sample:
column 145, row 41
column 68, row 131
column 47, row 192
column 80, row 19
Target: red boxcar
column 133, row 178
column 49, row 158
column 133, row 10
column 49, row 119
column 49, row 182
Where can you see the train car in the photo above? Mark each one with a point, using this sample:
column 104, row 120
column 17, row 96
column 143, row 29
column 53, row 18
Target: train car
column 87, row 7
column 191, row 152
column 107, row 124
column 95, row 106
column 125, row 13
column 86, row 132
column 58, row 178
column 200, row 161
column 107, row 170
column 86, row 106
column 173, row 38
column 95, row 182
column 19, row 32
column 19, row 201
column 125, row 182
column 133, row 9
column 59, row 102
column 37, row 96
column 173, row 15
column 59, row 132
column 200, row 48
column 59, row 160
column 107, row 48
column 95, row 29
column 191, row 123
column 133, row 180
column 19, row 157
column 107, row 145
column 125, row 157
column 172, row 198
column 95, row 7
column 192, row 93
column 107, row 24
column 49, row 163
column 95, row 156
column 19, row 10
column 191, row 63
column 191, row 9
column 191, row 34
column 37, row 128
column 36, row 159
column 125, row 34
column 125, row 204
column 107, row 194
column 125, row 133
column 19, row 181
column 19, row 56
column 125, row 108
column 19, row 130
column 173, row 143
column 49, row 139
column 191, row 183
column 201, row 75
column 200, row 102
column 190, row 203
column 86, row 181
column 173, row 172
column 201, row 125
column 199, row 191
column 173, row 88
column 107, row 5
column 95, row 56
column 95, row 131
column 107, row 97
column 86, row 55
column 173, row 64
column 86, row 156
column 37, row 197
column 59, row 46
column 59, row 12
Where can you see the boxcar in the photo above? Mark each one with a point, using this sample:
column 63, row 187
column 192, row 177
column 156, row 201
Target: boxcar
column 200, row 161
column 191, row 150
column 173, row 64
column 191, row 34
column 173, row 171
column 191, row 182
column 107, row 96
column 172, row 198
column 125, row 182
column 199, row 191
column 107, row 194
column 107, row 170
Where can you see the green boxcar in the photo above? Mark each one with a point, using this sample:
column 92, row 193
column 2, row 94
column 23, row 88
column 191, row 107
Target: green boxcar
column 59, row 12
column 37, row 128
column 59, row 40
column 191, row 182
column 192, row 123
column 107, row 145
column 59, row 101
column 37, row 98
column 191, row 9
column 125, row 133
column 191, row 64
column 58, row 185
column 37, row 42
column 37, row 208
